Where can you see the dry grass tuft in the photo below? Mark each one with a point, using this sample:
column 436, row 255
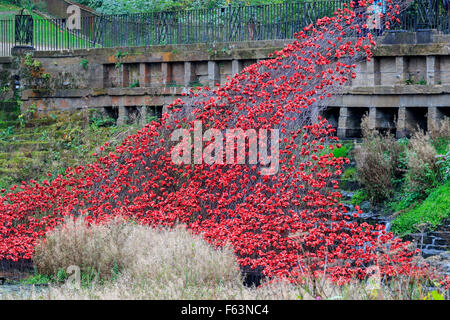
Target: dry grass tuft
column 142, row 252
column 377, row 161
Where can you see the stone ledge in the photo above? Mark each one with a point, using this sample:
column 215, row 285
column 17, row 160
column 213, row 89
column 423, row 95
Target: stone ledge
column 97, row 92
column 399, row 90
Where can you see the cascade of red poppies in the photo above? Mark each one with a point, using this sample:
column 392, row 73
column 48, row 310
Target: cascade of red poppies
column 290, row 223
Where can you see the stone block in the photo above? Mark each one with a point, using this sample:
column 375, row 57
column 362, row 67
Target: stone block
column 189, row 73
column 213, row 74
column 144, row 75
column 236, row 67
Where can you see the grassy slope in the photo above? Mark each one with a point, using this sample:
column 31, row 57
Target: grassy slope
column 432, row 211
column 51, row 144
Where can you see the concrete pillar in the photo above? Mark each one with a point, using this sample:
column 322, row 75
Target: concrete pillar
column 125, row 72
column 401, row 122
column 143, row 115
column 165, row 73
column 373, row 72
column 432, row 67
column 433, row 118
column 236, row 67
column 372, row 117
column 144, row 75
column 189, row 74
column 213, row 74
column 106, row 80
column 123, row 116
column 401, row 70
column 342, row 123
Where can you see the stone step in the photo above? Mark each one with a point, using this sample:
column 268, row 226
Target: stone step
column 34, row 154
column 10, row 171
column 9, row 123
column 16, row 162
column 23, row 146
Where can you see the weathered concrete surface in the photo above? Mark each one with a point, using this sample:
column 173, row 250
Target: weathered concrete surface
column 405, row 77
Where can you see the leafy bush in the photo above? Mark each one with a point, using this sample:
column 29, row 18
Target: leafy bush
column 360, row 196
column 443, row 161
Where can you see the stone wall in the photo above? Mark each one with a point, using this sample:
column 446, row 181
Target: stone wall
column 405, row 85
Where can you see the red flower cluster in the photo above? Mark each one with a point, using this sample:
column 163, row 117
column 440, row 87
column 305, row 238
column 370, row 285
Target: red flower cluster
column 291, row 223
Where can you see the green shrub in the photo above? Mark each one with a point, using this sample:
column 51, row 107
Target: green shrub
column 377, row 162
column 343, row 151
column 360, row 196
column 443, row 161
column 349, row 173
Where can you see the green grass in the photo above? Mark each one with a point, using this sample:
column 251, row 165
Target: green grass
column 6, row 6
column 432, row 211
column 343, row 151
column 45, row 33
column 51, row 144
column 441, row 145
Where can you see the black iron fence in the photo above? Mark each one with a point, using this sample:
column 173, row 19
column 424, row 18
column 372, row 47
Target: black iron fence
column 263, row 22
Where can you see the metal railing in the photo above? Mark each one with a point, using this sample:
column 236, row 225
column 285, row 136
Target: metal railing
column 263, row 22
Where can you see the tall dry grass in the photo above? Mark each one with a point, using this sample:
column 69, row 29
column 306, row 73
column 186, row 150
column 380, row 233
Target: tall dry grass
column 139, row 251
column 174, row 264
column 377, row 161
column 423, row 171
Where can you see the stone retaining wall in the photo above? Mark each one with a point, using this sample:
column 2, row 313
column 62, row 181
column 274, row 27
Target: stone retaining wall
column 406, row 85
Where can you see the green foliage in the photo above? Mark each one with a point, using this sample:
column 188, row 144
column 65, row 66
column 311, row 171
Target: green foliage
column 135, row 84
column 38, row 279
column 61, row 275
column 134, row 6
column 404, row 199
column 441, row 144
column 97, row 120
column 344, row 150
column 444, row 165
column 31, row 149
column 432, row 211
column 360, row 196
column 84, row 63
column 115, row 272
column 119, row 55
column 87, row 278
column 422, row 82
column 33, row 75
column 349, row 173
column 5, row 84
column 25, row 117
column 196, row 84
column 6, row 133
